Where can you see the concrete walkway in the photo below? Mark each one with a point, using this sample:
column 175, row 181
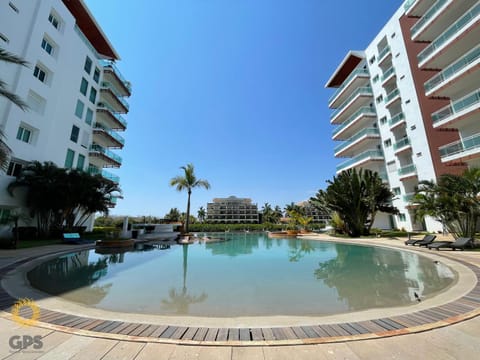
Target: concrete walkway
column 459, row 341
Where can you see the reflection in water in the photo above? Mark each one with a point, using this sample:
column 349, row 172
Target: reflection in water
column 247, row 275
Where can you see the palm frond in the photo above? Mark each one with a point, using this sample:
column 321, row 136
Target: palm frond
column 11, row 58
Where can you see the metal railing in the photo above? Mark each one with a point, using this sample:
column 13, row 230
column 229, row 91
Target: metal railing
column 456, row 106
column 468, row 143
column 104, row 106
column 110, row 132
column 377, row 154
column 430, row 13
column 106, row 152
column 106, row 174
column 365, row 110
column 391, row 95
column 387, row 73
column 453, row 69
column 452, row 30
column 355, row 73
column 396, row 119
column 402, row 143
column 408, row 4
column 360, row 134
column 111, row 64
column 107, row 85
column 365, row 90
column 386, row 50
column 408, row 169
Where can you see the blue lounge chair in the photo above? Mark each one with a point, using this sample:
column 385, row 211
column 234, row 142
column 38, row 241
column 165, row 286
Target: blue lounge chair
column 74, row 238
column 426, row 239
column 460, row 243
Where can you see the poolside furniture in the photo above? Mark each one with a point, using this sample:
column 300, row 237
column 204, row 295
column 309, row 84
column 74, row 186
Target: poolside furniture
column 75, row 238
column 460, row 243
column 427, row 239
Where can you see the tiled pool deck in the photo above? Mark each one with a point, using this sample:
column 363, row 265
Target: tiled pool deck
column 465, row 306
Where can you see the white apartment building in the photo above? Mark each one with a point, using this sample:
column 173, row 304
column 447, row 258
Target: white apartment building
column 408, row 105
column 76, row 94
column 232, row 210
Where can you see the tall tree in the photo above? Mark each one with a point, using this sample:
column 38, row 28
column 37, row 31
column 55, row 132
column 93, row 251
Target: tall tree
column 356, row 196
column 453, row 200
column 7, row 57
column 201, row 214
column 173, row 215
column 188, row 182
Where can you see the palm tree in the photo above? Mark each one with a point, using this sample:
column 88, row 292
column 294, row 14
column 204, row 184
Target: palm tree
column 188, row 182
column 173, row 215
column 5, row 56
column 201, row 214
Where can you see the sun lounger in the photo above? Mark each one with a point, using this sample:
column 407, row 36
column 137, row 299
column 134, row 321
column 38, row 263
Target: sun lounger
column 460, row 243
column 427, row 239
column 74, row 238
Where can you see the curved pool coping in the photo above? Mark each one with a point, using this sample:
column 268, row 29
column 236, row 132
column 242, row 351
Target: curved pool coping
column 460, row 302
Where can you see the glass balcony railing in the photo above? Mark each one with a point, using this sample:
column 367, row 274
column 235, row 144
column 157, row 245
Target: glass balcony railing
column 408, row 169
column 428, row 15
column 111, row 64
column 456, row 106
column 365, row 90
column 448, row 34
column 388, row 73
column 453, row 69
column 402, row 143
column 100, row 149
column 364, row 110
column 377, row 154
column 408, row 4
column 396, row 119
column 119, row 118
column 107, row 85
column 392, row 95
column 355, row 73
column 384, row 52
column 468, row 143
column 408, row 197
column 359, row 135
column 106, row 174
column 110, row 132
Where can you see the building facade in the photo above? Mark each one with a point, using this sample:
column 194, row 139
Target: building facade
column 408, row 105
column 232, row 210
column 75, row 93
column 311, row 211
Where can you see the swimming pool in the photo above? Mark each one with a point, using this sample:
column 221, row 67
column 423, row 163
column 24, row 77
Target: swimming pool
column 246, row 275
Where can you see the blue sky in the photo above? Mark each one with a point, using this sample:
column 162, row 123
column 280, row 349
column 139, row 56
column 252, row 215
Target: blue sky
column 235, row 87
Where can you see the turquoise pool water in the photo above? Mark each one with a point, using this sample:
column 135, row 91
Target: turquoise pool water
column 246, row 275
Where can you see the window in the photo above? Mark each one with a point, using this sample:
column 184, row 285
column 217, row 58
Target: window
column 69, row 158
column 79, row 109
column 96, row 75
column 413, row 127
column 14, row 168
column 40, row 74
column 36, row 103
column 88, row 65
column 89, row 116
column 391, row 166
column 387, row 143
column 393, row 35
column 419, row 154
column 396, row 191
column 84, row 86
column 375, row 78
column 80, row 162
column 93, row 95
column 372, row 60
column 47, row 46
column 13, row 7
column 54, row 20
column 383, row 120
column 74, row 134
column 379, row 99
column 24, row 135
column 85, row 139
column 4, row 38
column 402, row 217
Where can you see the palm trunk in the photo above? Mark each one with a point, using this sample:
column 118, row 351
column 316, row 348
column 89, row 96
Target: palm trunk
column 187, row 222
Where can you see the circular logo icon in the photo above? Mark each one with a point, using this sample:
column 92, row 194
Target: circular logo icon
column 22, row 304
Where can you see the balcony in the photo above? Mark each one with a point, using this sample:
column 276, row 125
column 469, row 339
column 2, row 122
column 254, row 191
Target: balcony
column 388, row 75
column 107, row 175
column 104, row 157
column 417, row 7
column 361, row 159
column 427, row 17
column 107, row 115
column 402, row 145
column 460, row 33
column 360, row 137
column 384, row 54
column 407, row 171
column 115, row 99
column 107, row 137
column 461, row 109
column 464, row 149
column 396, row 121
column 112, row 74
column 446, row 83
column 392, row 97
column 354, row 122
column 408, row 197
column 359, row 97
column 359, row 77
